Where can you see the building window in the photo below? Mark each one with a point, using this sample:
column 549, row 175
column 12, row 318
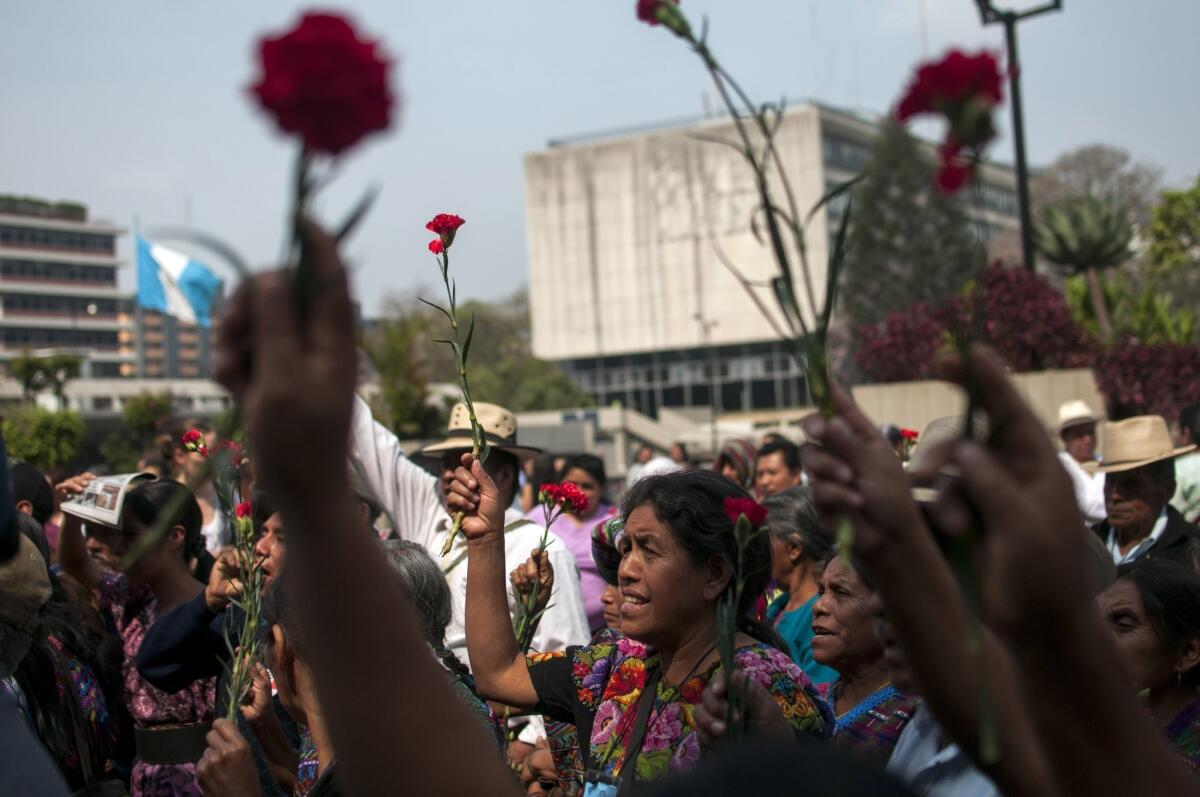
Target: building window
column 102, row 403
column 91, row 242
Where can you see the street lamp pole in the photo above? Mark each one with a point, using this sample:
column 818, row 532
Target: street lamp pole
column 989, row 14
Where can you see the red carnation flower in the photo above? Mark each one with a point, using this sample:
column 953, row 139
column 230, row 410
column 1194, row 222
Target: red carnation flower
column 192, row 440
column 445, row 225
column 909, row 434
column 647, row 10
column 573, row 499
column 324, row 83
column 436, row 247
column 244, row 510
column 755, row 512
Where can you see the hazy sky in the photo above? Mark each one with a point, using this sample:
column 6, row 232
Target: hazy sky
column 138, row 108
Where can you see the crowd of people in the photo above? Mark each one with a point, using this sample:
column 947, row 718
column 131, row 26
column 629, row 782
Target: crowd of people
column 1003, row 617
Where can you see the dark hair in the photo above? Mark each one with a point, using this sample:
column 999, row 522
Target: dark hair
column 150, row 499
column 29, row 484
column 261, row 509
column 789, row 451
column 792, row 517
column 1189, row 418
column 544, row 471
column 692, row 505
column 891, row 433
column 425, row 585
column 277, row 610
column 590, row 464
column 1170, row 593
column 46, row 668
column 154, row 457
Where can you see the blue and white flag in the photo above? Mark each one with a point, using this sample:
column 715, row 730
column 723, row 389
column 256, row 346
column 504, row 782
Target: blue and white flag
column 172, row 283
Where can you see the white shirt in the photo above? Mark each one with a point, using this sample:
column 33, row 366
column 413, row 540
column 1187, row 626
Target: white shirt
column 412, row 497
column 927, row 768
column 1114, row 547
column 1089, row 489
column 654, row 467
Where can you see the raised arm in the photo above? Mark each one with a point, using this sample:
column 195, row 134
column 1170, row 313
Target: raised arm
column 398, row 720
column 73, row 555
column 497, row 663
column 855, row 472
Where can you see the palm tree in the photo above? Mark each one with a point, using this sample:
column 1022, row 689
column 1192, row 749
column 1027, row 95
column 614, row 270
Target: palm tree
column 1085, row 236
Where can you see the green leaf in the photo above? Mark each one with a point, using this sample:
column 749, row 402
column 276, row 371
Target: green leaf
column 466, row 347
column 357, row 215
column 833, row 274
column 833, row 193
column 439, row 308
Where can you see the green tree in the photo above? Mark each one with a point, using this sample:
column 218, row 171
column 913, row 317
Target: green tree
column 1086, row 236
column 37, row 374
column 1174, row 251
column 907, row 242
column 1142, row 316
column 45, row 438
column 144, row 416
column 397, row 349
column 1098, row 170
column 502, row 367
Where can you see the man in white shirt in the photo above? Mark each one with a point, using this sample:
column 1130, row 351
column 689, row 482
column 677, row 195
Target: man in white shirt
column 414, row 500
column 1077, row 430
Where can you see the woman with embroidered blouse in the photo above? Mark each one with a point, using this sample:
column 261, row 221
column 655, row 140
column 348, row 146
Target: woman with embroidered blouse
column 870, row 712
column 633, row 698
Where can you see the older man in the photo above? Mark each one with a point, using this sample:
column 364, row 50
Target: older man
column 1077, row 431
column 415, row 500
column 1140, row 480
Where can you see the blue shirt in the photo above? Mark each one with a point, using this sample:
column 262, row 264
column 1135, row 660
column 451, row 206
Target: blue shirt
column 796, row 629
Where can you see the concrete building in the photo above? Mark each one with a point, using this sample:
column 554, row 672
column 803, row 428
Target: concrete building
column 58, row 287
column 630, row 237
column 172, row 349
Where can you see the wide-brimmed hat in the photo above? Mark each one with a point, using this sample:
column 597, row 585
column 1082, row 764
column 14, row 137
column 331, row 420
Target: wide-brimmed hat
column 1139, row 441
column 938, row 431
column 499, row 429
column 1074, row 413
column 24, row 586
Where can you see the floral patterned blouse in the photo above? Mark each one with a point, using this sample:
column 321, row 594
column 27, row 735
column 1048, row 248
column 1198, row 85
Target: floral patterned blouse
column 134, row 610
column 597, row 687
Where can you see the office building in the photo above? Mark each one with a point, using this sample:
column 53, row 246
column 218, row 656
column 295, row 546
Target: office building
column 627, row 234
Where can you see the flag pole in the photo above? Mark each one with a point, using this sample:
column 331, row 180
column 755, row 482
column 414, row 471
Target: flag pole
column 139, row 320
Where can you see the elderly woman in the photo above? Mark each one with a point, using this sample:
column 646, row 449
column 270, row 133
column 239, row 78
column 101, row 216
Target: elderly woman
column 798, row 546
column 1153, row 609
column 870, row 711
column 634, row 700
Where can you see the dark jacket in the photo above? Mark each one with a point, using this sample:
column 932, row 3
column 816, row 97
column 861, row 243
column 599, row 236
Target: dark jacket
column 188, row 644
column 1173, row 544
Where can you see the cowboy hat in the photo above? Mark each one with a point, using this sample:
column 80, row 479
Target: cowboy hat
column 1139, row 441
column 499, row 429
column 1075, row 413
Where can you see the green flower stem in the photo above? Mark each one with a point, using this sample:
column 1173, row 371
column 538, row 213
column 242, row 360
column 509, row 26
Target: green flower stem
column 479, row 447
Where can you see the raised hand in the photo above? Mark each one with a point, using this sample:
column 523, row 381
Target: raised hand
column 856, row 472
column 293, row 374
column 223, row 583
column 475, row 495
column 536, row 571
column 1033, row 546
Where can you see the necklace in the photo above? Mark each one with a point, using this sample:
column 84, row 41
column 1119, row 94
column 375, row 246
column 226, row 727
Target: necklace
column 868, row 703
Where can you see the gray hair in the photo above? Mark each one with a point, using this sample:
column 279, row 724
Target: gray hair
column 792, row 518
column 425, row 585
